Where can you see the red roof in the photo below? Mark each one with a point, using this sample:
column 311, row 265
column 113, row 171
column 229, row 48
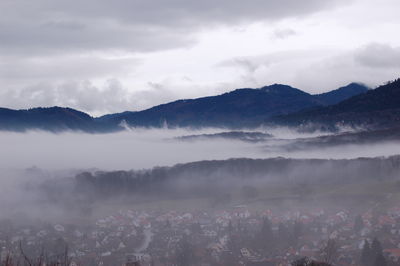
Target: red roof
column 393, row 252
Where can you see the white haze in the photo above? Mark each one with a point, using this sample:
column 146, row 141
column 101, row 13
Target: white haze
column 136, row 149
column 140, row 148
column 63, row 155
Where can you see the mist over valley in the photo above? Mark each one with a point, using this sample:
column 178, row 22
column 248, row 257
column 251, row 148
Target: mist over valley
column 199, row 133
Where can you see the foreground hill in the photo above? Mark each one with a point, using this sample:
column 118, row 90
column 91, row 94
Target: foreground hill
column 378, row 108
column 233, row 182
column 241, row 171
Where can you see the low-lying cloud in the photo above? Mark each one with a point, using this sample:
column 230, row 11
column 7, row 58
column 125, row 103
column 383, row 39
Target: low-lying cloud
column 144, row 148
column 38, row 168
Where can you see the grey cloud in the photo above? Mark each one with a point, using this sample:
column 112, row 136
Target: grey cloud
column 62, row 26
column 318, row 71
column 252, row 63
column 31, row 69
column 83, row 95
column 58, row 38
column 283, row 33
column 379, row 55
column 246, row 63
column 176, row 12
column 373, row 65
column 269, row 68
column 48, row 47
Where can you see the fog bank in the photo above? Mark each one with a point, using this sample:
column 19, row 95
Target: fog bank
column 143, row 148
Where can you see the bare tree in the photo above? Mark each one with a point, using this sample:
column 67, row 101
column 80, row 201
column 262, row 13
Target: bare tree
column 330, row 252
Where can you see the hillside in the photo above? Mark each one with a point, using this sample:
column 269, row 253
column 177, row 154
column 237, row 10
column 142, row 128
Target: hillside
column 341, row 94
column 213, row 177
column 238, row 108
column 53, row 119
column 378, row 108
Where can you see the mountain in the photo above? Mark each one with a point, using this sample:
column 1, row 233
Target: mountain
column 370, row 137
column 341, row 94
column 229, row 135
column 53, row 119
column 235, row 109
column 238, row 108
column 375, row 109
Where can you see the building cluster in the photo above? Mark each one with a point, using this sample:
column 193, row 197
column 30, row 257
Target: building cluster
column 234, row 236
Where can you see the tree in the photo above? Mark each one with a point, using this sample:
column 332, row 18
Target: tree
column 376, row 247
column 308, row 262
column 330, row 252
column 366, row 257
column 302, row 262
column 358, row 224
column 230, row 228
column 283, row 235
column 377, row 253
column 266, row 235
column 233, row 244
column 297, row 232
column 185, row 253
column 380, row 260
column 298, row 229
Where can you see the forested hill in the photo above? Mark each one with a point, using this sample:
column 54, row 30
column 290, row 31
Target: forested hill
column 206, row 176
column 236, row 109
column 53, row 119
column 378, row 108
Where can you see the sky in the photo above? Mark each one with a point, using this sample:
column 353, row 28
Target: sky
column 103, row 56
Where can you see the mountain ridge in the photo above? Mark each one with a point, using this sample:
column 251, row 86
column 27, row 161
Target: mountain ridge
column 239, row 108
column 378, row 108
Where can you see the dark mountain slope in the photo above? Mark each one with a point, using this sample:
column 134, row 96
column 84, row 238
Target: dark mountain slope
column 378, row 108
column 51, row 119
column 235, row 109
column 241, row 107
column 341, row 94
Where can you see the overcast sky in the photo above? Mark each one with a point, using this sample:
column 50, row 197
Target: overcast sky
column 108, row 56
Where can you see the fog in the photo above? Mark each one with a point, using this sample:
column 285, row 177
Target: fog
column 134, row 149
column 31, row 159
column 70, row 184
column 336, row 152
column 146, row 148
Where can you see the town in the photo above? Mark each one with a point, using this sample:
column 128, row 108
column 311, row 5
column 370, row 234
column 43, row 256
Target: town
column 233, row 236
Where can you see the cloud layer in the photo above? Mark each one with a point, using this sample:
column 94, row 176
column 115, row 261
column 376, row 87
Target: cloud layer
column 105, row 56
column 46, row 26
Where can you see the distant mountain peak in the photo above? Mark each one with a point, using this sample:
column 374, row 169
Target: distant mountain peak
column 354, row 86
column 342, row 93
column 240, row 108
column 374, row 109
column 281, row 88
